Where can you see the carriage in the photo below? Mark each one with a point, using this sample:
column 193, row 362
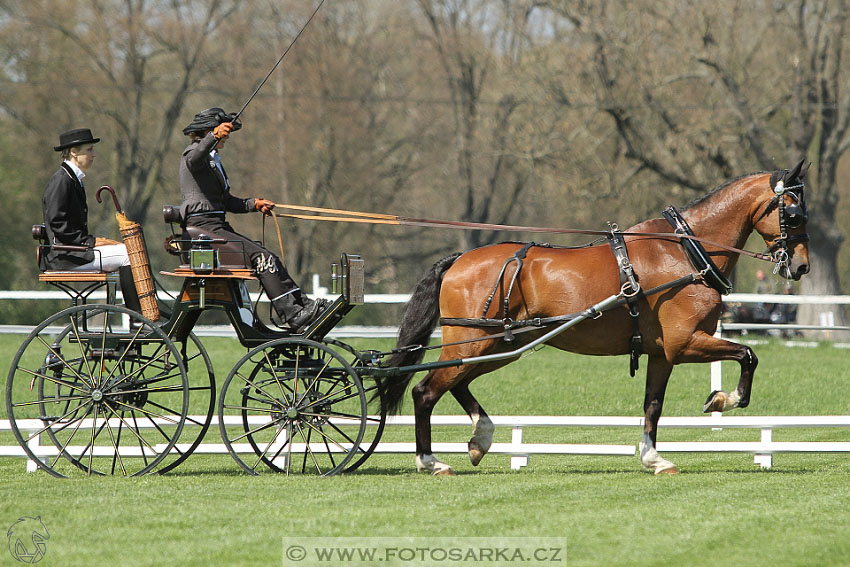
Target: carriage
column 112, row 392
column 110, row 388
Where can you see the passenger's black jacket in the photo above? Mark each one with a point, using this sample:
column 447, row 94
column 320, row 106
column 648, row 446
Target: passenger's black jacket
column 66, row 217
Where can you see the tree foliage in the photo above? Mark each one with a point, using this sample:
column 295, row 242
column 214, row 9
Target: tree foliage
column 539, row 112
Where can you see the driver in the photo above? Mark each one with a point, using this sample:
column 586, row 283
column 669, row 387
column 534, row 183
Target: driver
column 205, row 190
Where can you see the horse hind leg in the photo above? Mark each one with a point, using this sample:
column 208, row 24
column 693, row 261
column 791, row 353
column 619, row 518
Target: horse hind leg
column 425, row 396
column 482, row 425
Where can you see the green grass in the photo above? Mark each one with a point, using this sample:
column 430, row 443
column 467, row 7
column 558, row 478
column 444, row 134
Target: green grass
column 722, row 510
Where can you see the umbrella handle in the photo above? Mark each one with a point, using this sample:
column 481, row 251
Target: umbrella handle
column 114, row 198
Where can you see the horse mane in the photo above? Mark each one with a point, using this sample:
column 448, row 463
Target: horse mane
column 720, row 188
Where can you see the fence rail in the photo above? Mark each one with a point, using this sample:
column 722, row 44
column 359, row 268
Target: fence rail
column 519, row 451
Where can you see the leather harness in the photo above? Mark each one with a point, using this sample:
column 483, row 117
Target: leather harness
column 630, row 287
column 632, row 293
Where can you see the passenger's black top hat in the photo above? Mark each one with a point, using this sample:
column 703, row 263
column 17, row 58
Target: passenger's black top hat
column 76, row 137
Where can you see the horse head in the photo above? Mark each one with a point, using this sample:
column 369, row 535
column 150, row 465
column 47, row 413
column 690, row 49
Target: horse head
column 782, row 223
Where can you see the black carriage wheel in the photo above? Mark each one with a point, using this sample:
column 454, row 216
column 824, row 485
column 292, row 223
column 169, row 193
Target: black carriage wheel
column 375, row 423
column 295, row 406
column 202, row 394
column 111, row 398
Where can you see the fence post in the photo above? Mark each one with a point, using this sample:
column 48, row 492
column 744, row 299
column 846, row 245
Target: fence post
column 517, row 461
column 765, row 460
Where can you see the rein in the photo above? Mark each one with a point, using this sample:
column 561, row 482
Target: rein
column 378, row 218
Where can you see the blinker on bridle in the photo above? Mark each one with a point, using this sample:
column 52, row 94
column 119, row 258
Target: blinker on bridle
column 791, row 216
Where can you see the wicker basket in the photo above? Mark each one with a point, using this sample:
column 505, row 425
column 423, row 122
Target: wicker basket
column 134, row 240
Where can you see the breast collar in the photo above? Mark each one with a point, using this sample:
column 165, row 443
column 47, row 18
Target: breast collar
column 696, row 252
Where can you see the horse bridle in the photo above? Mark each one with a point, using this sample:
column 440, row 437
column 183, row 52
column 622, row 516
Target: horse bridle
column 791, row 216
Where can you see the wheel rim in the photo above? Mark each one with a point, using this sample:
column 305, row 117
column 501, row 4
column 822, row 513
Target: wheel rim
column 294, row 406
column 100, row 398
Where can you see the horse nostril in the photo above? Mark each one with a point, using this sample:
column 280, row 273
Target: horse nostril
column 802, row 269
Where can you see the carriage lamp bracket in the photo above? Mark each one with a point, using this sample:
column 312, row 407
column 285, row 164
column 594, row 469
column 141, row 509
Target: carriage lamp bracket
column 201, row 284
column 336, row 278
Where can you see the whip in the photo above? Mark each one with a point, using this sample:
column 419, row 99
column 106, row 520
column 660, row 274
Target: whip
column 263, row 82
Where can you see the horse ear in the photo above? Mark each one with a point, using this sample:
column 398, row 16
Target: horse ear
column 804, row 169
column 795, row 171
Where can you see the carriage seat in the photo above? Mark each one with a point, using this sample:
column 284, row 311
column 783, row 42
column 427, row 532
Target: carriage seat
column 39, row 233
column 230, row 254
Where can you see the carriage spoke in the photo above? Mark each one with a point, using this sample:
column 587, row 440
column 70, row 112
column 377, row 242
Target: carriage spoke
column 82, row 350
column 51, row 400
column 256, row 387
column 263, row 427
column 308, row 450
column 274, row 373
column 56, row 381
column 325, row 436
column 63, row 361
column 268, row 446
column 152, row 358
column 133, row 431
column 67, row 442
column 136, row 424
column 57, row 420
column 115, row 444
column 248, row 408
column 144, row 411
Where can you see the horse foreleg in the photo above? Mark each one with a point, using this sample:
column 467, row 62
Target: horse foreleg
column 707, row 348
column 482, row 426
column 425, row 396
column 657, row 374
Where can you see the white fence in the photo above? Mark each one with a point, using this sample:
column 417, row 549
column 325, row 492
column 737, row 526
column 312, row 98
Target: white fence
column 519, row 451
column 762, row 450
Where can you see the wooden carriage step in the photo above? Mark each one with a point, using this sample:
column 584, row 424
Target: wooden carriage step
column 74, row 276
column 238, row 273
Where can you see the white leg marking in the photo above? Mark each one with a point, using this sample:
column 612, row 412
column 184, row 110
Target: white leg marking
column 732, row 400
column 721, row 401
column 482, row 437
column 429, row 463
column 650, row 458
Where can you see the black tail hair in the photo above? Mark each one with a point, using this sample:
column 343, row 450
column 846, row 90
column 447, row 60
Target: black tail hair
column 420, row 317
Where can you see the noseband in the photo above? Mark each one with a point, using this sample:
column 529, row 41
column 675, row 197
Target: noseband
column 793, row 216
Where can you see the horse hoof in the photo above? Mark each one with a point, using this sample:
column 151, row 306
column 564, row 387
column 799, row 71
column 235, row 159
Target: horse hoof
column 715, row 402
column 672, row 470
column 475, row 455
column 444, row 472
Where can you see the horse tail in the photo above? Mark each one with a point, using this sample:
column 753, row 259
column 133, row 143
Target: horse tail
column 418, row 322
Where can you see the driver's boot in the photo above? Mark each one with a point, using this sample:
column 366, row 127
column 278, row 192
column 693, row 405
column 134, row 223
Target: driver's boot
column 299, row 315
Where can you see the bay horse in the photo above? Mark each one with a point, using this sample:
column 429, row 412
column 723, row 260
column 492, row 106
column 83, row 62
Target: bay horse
column 676, row 325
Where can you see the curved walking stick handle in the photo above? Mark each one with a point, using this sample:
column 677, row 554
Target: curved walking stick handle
column 114, row 198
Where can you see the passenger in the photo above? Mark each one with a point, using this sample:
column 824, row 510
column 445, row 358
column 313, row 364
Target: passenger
column 66, row 218
column 205, row 190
